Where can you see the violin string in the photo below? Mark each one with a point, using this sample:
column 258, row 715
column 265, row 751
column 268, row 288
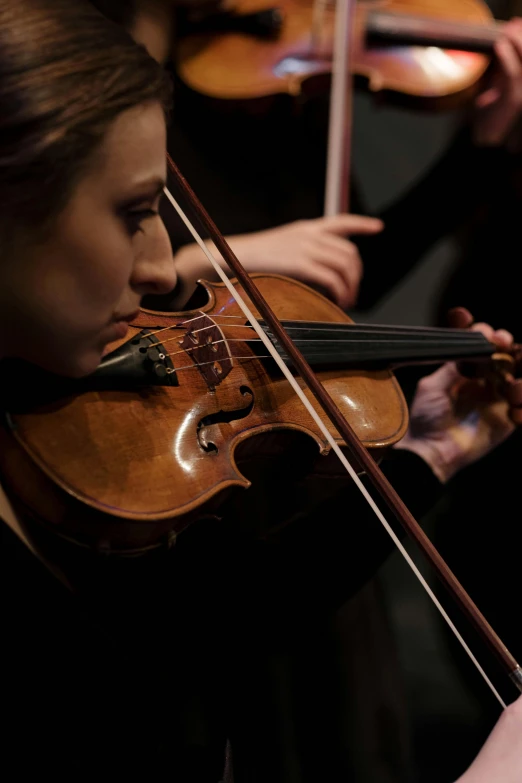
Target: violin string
column 325, row 344
column 391, row 328
column 314, row 341
column 330, row 439
column 227, row 340
column 163, row 329
column 320, row 326
column 208, row 345
column 328, row 343
column 181, row 324
column 234, row 326
column 223, row 315
column 204, row 364
column 324, row 349
column 321, row 354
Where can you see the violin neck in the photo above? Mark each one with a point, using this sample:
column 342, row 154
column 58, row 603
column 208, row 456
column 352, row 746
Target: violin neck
column 329, row 345
column 402, row 29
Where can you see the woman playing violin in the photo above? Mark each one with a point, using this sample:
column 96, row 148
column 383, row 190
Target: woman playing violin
column 144, row 666
column 233, row 159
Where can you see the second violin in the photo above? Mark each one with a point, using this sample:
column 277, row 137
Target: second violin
column 420, row 48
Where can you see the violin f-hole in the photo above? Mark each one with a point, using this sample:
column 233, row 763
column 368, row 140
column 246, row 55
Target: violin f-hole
column 206, row 426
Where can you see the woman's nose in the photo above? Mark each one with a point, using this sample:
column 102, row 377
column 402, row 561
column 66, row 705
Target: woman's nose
column 154, row 271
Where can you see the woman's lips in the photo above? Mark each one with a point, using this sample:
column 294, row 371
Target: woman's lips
column 118, row 330
column 127, row 318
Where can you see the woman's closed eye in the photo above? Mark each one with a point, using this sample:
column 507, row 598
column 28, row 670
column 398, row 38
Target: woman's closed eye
column 135, row 218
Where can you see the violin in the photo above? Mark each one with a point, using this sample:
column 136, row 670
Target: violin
column 183, row 393
column 423, row 49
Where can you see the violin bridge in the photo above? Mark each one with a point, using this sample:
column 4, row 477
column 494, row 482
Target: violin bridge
column 208, row 348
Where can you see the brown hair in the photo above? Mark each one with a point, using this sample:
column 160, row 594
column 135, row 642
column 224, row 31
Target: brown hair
column 66, row 72
column 120, row 11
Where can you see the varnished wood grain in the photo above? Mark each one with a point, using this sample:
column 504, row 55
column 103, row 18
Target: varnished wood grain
column 137, row 455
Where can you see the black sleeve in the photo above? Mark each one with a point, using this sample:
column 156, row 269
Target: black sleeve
column 333, row 551
column 465, row 177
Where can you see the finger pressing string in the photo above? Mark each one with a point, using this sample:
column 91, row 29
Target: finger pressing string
column 459, row 318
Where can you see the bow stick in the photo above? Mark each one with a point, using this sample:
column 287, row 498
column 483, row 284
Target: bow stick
column 353, row 444
column 339, row 150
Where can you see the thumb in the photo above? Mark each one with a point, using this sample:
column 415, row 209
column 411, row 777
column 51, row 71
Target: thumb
column 351, row 224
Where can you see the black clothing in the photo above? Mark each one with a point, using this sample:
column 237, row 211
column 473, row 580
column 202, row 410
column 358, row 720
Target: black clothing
column 155, row 661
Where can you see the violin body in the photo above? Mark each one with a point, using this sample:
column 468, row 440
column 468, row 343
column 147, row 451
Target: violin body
column 234, row 66
column 128, row 466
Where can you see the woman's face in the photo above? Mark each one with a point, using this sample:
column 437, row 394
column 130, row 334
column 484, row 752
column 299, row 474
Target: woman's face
column 62, row 300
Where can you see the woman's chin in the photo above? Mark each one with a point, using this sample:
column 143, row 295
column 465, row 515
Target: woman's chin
column 86, row 365
column 71, row 359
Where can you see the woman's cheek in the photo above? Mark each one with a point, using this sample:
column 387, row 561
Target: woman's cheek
column 110, row 281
